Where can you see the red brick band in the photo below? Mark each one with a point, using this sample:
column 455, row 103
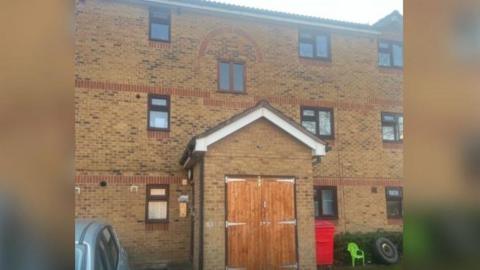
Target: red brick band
column 205, row 94
column 121, row 179
column 339, row 181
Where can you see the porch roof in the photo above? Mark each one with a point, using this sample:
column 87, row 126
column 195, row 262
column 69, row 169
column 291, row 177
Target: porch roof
column 199, row 144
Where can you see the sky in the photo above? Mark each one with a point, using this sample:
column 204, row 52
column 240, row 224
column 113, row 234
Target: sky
column 359, row 11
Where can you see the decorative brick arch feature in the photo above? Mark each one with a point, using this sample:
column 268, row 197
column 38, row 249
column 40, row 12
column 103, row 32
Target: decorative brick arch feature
column 229, row 30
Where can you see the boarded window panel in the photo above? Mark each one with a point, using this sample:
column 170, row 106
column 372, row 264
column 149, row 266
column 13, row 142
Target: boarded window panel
column 325, row 127
column 306, row 49
column 388, row 133
column 157, row 210
column 224, row 74
column 322, row 46
column 159, row 31
column 158, row 119
column 397, row 55
column 310, row 126
column 239, row 84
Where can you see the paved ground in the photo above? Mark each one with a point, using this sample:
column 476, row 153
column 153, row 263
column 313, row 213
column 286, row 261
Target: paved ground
column 369, row 267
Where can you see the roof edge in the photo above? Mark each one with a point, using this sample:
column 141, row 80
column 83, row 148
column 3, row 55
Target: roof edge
column 251, row 12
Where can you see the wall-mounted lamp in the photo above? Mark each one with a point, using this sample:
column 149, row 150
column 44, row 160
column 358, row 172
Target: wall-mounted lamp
column 133, row 188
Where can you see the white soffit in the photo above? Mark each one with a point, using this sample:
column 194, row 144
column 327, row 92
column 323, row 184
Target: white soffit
column 201, row 144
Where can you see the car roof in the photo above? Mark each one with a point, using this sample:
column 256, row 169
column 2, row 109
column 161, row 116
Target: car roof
column 87, row 229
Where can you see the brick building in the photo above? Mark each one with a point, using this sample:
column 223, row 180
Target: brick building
column 195, row 119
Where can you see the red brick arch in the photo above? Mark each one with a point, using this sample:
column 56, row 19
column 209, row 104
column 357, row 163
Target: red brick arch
column 229, row 30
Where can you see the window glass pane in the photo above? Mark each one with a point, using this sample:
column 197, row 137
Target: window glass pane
column 397, row 55
column 327, row 203
column 322, row 46
column 324, row 118
column 393, row 192
column 158, row 191
column 238, row 83
column 159, row 101
column 157, row 210
column 158, row 119
column 159, row 31
column 394, row 208
column 317, row 207
column 388, row 133
column 383, row 45
column 224, row 76
column 310, row 126
column 384, row 59
column 400, row 127
column 308, row 113
column 306, row 49
column 388, row 118
column 106, row 235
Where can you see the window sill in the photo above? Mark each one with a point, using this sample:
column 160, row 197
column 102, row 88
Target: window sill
column 393, row 145
column 390, row 69
column 316, row 61
column 395, row 221
column 231, row 92
column 332, row 220
column 159, row 44
column 329, row 141
column 158, row 134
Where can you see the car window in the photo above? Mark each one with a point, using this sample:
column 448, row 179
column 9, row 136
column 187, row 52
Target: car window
column 100, row 257
column 111, row 247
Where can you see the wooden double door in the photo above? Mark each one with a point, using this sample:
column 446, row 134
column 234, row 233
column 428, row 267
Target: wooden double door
column 260, row 223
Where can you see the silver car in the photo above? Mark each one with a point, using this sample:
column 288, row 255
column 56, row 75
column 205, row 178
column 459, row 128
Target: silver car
column 97, row 247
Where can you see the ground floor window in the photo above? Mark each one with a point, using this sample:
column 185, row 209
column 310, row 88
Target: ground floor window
column 325, row 198
column 394, row 202
column 157, row 204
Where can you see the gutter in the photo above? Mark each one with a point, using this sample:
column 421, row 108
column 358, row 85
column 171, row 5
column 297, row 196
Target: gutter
column 262, row 16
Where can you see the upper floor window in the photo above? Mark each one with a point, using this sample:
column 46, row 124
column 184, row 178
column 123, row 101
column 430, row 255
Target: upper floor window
column 159, row 24
column 319, row 121
column 158, row 112
column 394, row 197
column 231, row 77
column 157, row 203
column 326, row 204
column 392, row 127
column 314, row 45
column 390, row 54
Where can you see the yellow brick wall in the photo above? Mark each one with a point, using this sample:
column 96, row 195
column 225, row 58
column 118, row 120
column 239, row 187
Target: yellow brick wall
column 258, row 149
column 117, row 66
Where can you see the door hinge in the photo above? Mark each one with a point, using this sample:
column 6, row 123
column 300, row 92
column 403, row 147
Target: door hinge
column 228, row 224
column 286, row 180
column 290, row 266
column 229, row 179
column 293, row 222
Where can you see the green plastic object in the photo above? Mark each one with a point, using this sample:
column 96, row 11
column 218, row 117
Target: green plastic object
column 356, row 253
